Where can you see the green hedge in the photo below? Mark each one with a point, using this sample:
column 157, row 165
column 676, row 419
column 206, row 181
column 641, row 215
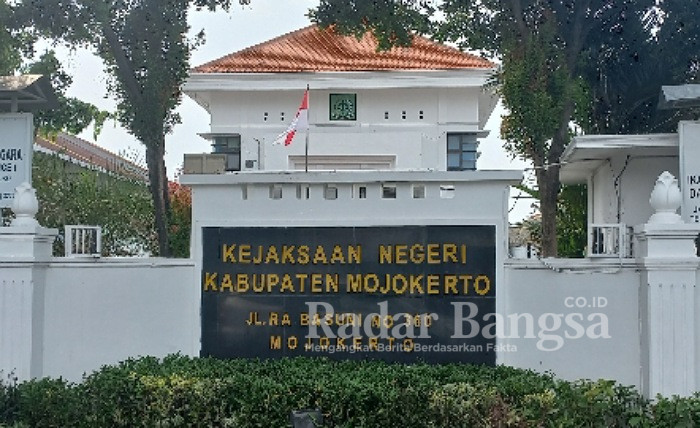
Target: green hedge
column 181, row 391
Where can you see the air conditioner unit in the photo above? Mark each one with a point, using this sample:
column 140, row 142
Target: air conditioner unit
column 205, row 163
column 610, row 240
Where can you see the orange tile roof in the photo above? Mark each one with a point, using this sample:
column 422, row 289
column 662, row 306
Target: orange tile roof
column 84, row 152
column 314, row 49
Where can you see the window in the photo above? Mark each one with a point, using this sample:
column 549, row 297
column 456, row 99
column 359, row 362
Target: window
column 418, row 191
column 276, row 191
column 388, row 191
column 343, row 107
column 330, row 192
column 303, row 191
column 447, row 191
column 461, row 152
column 231, row 146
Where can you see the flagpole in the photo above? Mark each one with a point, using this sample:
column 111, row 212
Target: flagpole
column 306, row 145
column 306, row 153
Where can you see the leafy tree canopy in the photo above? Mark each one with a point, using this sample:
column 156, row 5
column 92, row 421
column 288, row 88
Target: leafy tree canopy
column 17, row 42
column 72, row 194
column 597, row 63
column 144, row 47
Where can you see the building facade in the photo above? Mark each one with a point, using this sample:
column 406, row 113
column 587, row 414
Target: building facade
column 416, row 108
column 409, row 232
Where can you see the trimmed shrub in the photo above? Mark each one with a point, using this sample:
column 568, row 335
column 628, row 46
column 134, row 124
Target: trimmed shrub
column 182, row 391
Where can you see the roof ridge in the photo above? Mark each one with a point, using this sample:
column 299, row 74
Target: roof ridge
column 315, row 49
column 257, row 45
column 73, row 138
column 65, row 150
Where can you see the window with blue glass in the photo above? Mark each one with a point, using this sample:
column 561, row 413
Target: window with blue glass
column 462, row 151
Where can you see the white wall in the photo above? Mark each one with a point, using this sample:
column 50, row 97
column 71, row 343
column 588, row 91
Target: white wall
column 697, row 331
column 550, row 287
column 70, row 316
column 87, row 313
column 417, row 143
column 104, row 311
column 626, row 183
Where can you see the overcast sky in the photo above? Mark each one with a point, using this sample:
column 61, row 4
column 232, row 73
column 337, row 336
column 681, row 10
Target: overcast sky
column 228, row 32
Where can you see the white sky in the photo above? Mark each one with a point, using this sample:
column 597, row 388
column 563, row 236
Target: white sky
column 228, row 32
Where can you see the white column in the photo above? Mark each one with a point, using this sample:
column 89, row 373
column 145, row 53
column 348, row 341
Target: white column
column 25, row 247
column 668, row 296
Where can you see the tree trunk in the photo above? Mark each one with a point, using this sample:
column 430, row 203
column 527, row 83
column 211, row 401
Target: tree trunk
column 158, row 186
column 548, row 183
column 548, row 180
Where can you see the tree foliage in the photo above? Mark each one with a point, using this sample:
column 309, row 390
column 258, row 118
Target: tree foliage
column 180, row 219
column 71, row 194
column 12, row 41
column 72, row 115
column 146, row 52
column 625, row 72
column 572, row 209
column 121, row 206
column 17, row 42
column 592, row 62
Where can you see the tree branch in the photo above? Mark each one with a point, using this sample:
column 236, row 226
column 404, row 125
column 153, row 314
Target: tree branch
column 518, row 16
column 560, row 139
column 124, row 69
column 578, row 36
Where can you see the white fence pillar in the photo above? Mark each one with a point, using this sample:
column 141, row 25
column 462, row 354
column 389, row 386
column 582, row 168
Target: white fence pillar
column 668, row 258
column 25, row 247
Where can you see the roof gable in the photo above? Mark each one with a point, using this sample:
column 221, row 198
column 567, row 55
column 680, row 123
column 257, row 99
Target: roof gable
column 313, row 49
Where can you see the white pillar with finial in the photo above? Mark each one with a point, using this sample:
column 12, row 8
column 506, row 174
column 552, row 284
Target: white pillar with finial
column 25, row 249
column 25, row 206
column 666, row 251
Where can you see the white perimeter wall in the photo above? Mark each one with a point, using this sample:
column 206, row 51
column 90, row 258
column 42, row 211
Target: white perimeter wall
column 96, row 312
column 697, row 331
column 83, row 313
column 104, row 311
column 547, row 287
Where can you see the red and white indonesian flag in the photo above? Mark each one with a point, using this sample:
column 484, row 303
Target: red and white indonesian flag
column 300, row 122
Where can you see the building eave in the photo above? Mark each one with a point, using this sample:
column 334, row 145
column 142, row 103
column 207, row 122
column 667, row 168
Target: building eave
column 586, row 153
column 509, row 177
column 463, row 78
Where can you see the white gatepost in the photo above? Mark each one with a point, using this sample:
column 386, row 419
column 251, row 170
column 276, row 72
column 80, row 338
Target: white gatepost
column 669, row 263
column 25, row 249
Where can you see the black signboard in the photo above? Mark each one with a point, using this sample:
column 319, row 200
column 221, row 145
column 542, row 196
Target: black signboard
column 404, row 293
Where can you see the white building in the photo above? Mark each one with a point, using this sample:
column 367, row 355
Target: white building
column 411, row 115
column 419, row 107
column 618, row 170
